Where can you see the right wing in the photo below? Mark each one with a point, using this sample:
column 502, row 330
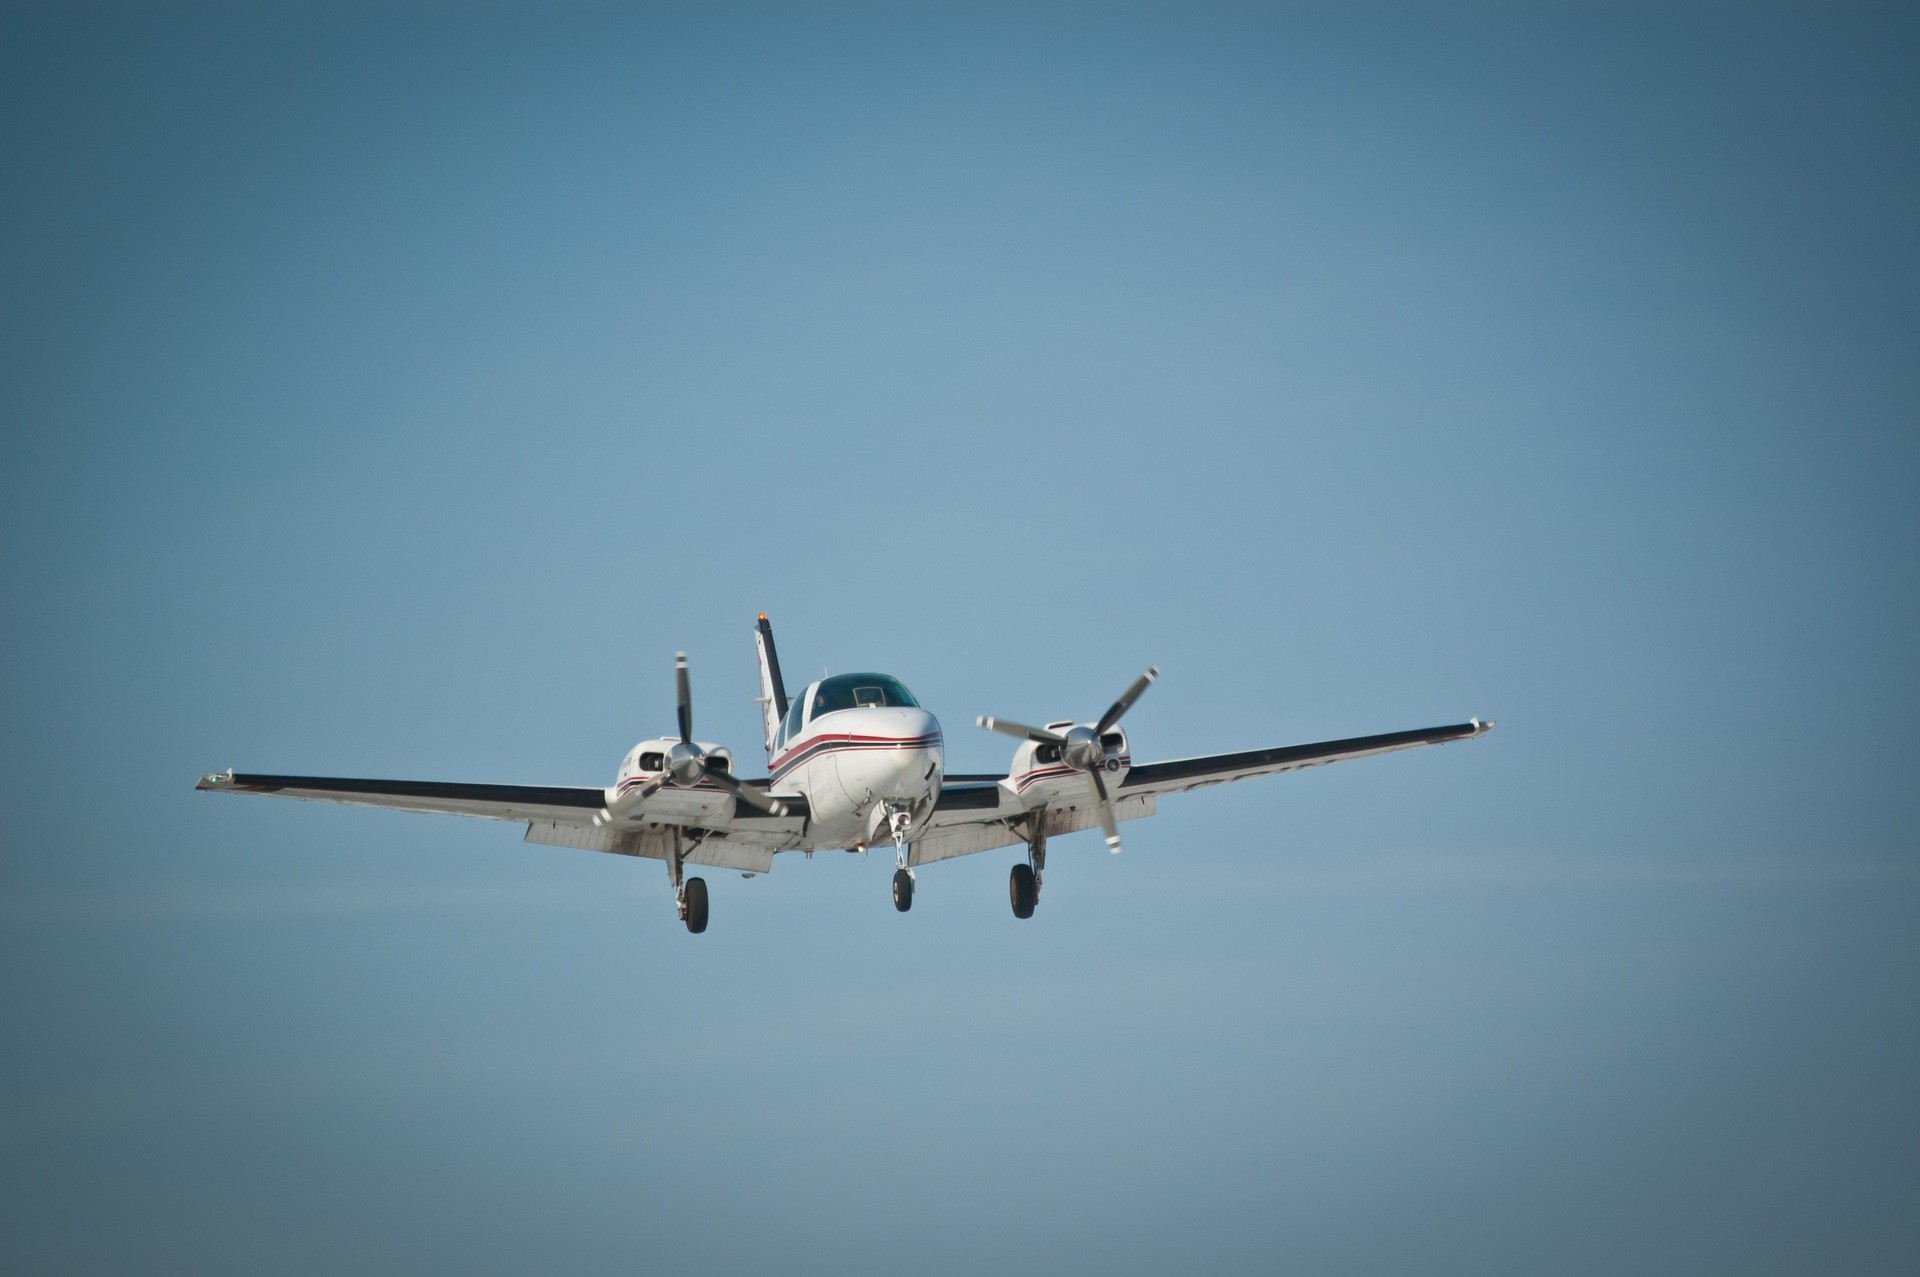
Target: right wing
column 1182, row 774
column 980, row 813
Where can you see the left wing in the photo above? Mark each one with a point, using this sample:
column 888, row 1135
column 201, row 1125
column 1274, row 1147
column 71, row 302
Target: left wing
column 712, row 826
column 491, row 802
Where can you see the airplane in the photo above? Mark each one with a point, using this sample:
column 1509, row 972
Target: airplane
column 853, row 762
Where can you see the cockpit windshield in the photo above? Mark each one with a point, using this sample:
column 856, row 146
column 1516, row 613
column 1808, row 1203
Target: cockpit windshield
column 859, row 691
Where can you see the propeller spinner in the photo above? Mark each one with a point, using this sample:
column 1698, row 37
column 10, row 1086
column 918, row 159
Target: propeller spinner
column 686, row 763
column 1080, row 748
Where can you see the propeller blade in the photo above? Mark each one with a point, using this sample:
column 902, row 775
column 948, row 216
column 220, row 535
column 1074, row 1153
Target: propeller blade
column 1107, row 825
column 748, row 794
column 1127, row 698
column 685, row 691
column 1011, row 728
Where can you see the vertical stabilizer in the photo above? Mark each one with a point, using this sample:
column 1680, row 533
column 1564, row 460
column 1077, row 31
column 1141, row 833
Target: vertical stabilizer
column 773, row 692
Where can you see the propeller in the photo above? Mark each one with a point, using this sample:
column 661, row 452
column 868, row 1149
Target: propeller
column 686, row 763
column 1080, row 748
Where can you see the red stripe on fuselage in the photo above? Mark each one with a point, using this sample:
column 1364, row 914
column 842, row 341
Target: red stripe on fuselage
column 850, row 743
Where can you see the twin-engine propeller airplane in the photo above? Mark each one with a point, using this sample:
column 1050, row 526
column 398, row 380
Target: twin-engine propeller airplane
column 854, row 762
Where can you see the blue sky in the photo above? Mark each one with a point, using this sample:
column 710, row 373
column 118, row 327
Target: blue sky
column 392, row 391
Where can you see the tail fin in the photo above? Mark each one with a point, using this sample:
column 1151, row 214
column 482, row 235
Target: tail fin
column 773, row 692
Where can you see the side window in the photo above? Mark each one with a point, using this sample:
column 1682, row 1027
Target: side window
column 790, row 726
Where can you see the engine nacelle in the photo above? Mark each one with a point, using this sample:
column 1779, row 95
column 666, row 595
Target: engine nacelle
column 1113, row 752
column 650, row 758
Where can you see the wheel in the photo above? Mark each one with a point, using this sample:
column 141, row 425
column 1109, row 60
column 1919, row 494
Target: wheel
column 1022, row 891
column 902, row 890
column 696, row 905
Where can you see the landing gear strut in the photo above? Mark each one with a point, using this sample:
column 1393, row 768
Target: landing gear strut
column 898, row 819
column 690, row 894
column 1023, row 884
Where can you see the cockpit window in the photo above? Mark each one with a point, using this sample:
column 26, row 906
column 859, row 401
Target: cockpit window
column 790, row 725
column 860, row 691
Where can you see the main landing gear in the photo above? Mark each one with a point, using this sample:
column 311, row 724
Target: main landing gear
column 1023, row 884
column 1023, row 890
column 693, row 905
column 690, row 894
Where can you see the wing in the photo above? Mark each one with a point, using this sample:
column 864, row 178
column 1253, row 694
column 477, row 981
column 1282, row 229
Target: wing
column 1213, row 769
column 492, row 802
column 974, row 813
column 713, row 827
column 980, row 813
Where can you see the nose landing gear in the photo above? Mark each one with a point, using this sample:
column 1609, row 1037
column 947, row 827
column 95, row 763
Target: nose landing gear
column 899, row 819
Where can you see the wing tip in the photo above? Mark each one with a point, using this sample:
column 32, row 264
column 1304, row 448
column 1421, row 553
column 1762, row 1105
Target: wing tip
column 216, row 780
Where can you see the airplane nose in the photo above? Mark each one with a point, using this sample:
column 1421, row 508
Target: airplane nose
column 913, row 768
column 917, row 722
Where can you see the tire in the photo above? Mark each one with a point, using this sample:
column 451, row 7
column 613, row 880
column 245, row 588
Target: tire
column 696, row 905
column 902, row 890
column 1022, row 891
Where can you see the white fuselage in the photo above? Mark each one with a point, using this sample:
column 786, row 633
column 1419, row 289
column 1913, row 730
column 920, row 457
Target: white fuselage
column 855, row 765
column 868, row 761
